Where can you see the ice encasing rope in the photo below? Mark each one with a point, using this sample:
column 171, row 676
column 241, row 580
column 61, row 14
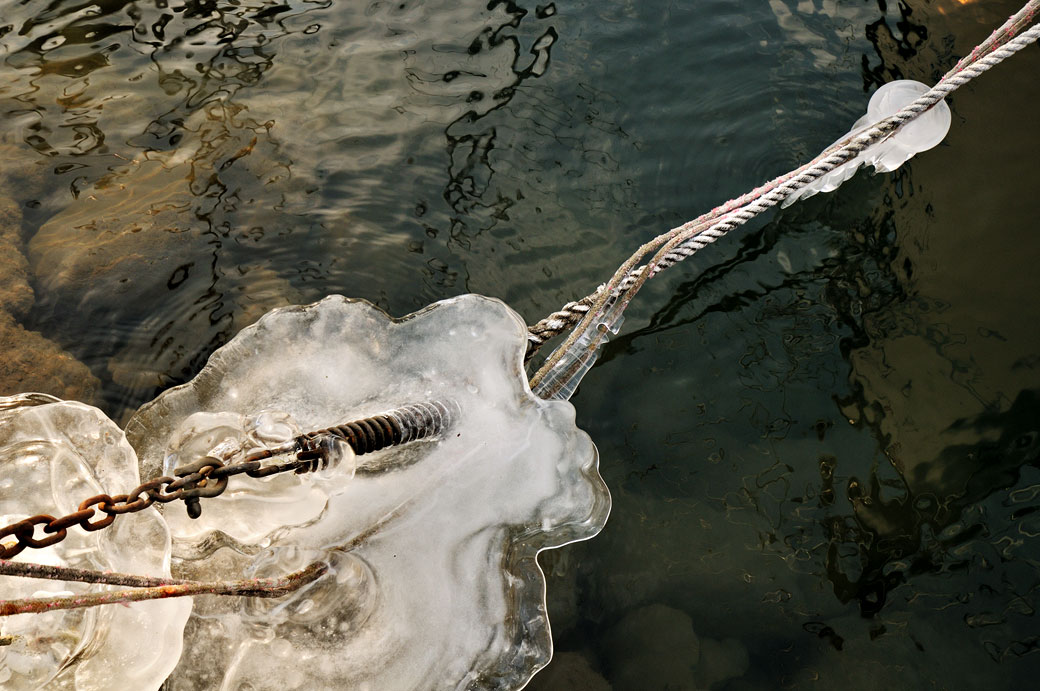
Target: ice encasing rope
column 682, row 242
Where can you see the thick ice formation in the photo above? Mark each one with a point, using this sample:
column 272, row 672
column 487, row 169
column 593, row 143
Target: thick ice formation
column 921, row 134
column 249, row 509
column 53, row 455
column 434, row 582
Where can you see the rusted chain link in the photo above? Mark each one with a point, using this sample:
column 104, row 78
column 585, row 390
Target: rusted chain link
column 208, row 476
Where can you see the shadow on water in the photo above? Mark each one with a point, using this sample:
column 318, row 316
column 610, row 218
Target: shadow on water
column 821, row 433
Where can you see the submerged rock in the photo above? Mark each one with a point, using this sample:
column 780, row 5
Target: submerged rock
column 31, row 362
column 116, row 248
column 141, row 367
column 20, row 177
column 16, row 296
column 653, row 647
column 569, row 672
column 34, row 363
column 134, row 269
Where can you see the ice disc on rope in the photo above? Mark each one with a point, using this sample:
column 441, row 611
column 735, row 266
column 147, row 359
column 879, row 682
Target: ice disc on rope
column 920, row 134
column 53, row 455
column 433, row 581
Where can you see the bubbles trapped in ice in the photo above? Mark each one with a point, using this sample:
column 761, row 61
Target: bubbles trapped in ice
column 433, row 580
column 250, row 508
column 53, row 455
column 921, row 134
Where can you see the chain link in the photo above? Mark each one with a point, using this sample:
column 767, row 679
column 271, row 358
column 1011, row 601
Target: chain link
column 208, row 476
column 199, row 479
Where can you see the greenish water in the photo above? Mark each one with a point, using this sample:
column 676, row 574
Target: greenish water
column 821, row 433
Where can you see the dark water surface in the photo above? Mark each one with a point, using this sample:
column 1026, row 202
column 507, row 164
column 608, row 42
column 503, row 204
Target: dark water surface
column 821, row 433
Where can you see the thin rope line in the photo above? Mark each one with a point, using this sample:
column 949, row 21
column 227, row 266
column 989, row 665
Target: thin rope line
column 682, row 242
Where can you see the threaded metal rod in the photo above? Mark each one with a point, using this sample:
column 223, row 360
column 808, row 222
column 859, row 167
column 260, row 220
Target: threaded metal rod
column 398, row 426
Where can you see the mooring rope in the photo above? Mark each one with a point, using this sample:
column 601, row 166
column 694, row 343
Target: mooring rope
column 682, row 242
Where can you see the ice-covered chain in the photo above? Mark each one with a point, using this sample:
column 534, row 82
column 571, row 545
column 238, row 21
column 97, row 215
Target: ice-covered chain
column 208, row 476
column 688, row 239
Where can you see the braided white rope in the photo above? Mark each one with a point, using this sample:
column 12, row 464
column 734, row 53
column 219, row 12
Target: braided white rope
column 826, row 163
column 682, row 242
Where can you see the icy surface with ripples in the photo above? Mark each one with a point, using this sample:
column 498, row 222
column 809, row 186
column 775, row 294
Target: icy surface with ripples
column 433, row 581
column 920, row 134
column 53, row 455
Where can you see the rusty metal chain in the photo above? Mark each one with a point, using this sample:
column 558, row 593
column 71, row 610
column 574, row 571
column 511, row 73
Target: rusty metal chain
column 208, row 476
column 204, row 478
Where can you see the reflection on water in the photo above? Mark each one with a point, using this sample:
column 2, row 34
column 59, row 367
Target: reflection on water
column 821, row 433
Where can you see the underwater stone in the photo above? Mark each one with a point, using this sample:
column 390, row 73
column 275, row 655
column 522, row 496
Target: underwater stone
column 433, row 580
column 570, row 671
column 21, row 175
column 16, row 295
column 653, row 647
column 256, row 290
column 114, row 248
column 721, row 661
column 138, row 240
column 53, row 455
column 34, row 363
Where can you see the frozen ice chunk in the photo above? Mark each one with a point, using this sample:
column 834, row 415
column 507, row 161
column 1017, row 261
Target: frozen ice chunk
column 433, row 580
column 561, row 381
column 53, row 455
column 921, row 134
column 248, row 510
